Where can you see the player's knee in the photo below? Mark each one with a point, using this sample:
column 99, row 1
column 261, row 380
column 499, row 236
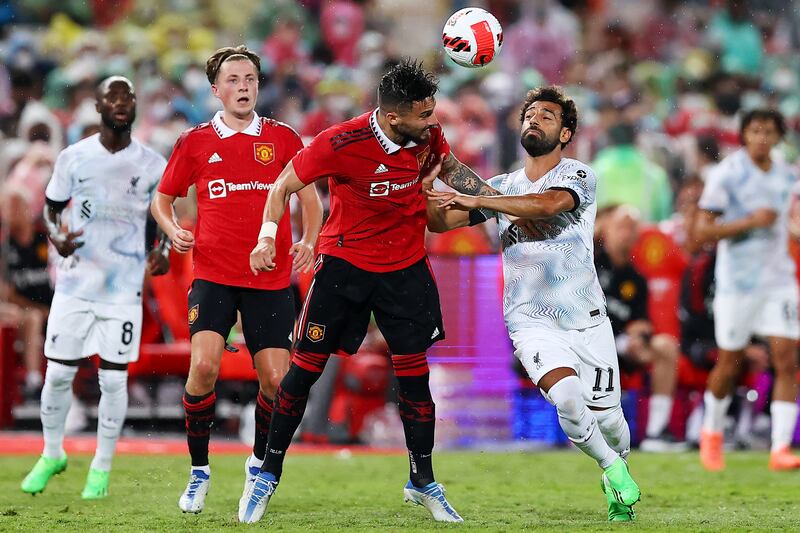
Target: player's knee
column 666, row 347
column 59, row 376
column 112, row 381
column 205, row 371
column 566, row 394
column 269, row 386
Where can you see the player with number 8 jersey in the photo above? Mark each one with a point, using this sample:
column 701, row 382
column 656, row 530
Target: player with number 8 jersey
column 102, row 185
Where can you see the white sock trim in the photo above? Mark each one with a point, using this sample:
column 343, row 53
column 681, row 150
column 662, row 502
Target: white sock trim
column 715, row 412
column 658, row 415
column 784, row 420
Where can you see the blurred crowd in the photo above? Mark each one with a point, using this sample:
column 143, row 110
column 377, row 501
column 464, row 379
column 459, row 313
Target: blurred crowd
column 660, row 85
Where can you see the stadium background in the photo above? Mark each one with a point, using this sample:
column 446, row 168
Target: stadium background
column 659, row 85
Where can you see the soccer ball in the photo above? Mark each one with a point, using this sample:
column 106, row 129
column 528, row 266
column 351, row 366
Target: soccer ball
column 472, row 37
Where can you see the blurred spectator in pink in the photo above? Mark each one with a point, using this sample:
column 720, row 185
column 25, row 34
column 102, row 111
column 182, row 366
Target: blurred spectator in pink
column 545, row 38
column 342, row 24
column 31, row 175
column 285, row 49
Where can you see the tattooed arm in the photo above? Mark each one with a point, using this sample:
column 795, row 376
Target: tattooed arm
column 460, row 177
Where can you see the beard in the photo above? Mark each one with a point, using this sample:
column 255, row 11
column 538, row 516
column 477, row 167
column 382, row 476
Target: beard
column 118, row 127
column 538, row 146
column 419, row 137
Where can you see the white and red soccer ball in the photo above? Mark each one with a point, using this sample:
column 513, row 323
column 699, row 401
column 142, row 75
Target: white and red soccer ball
column 472, row 37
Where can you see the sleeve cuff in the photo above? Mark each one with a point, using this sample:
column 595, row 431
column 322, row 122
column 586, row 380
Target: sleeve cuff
column 572, row 193
column 58, row 205
column 476, row 216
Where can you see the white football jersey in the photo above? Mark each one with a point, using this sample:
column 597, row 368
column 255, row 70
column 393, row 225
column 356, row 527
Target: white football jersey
column 552, row 282
column 110, row 196
column 758, row 259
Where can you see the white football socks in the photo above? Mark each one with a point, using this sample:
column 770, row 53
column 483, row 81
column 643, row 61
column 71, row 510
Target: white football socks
column 615, row 429
column 56, row 400
column 578, row 422
column 658, row 415
column 110, row 415
column 784, row 418
column 715, row 411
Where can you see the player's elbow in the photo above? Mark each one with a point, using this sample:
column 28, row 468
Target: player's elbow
column 437, row 226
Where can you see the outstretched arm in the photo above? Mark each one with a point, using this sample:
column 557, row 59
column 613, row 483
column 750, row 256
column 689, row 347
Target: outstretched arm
column 261, row 258
column 527, row 206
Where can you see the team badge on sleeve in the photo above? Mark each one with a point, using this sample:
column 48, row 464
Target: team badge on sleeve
column 193, row 312
column 264, row 152
column 315, row 332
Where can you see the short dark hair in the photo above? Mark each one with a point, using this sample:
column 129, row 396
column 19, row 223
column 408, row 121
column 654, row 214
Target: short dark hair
column 554, row 94
column 406, row 83
column 763, row 114
column 229, row 53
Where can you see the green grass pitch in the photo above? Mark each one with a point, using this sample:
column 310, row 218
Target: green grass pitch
column 548, row 491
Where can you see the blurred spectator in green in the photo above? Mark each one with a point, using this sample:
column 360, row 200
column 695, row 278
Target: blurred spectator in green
column 738, row 39
column 626, row 176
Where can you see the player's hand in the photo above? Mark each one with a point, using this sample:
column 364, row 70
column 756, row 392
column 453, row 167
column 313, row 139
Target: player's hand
column 157, row 263
column 430, row 171
column 182, row 240
column 535, row 229
column 303, row 256
column 762, row 218
column 261, row 258
column 453, row 200
column 66, row 243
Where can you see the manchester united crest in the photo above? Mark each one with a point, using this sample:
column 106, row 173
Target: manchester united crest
column 264, row 152
column 193, row 312
column 315, row 332
column 422, row 157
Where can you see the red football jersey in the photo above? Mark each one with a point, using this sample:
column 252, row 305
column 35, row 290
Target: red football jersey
column 377, row 213
column 233, row 173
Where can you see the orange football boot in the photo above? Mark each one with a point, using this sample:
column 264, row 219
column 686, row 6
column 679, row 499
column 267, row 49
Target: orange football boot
column 783, row 459
column 711, row 443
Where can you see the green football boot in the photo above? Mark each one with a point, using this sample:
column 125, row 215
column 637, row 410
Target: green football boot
column 40, row 474
column 96, row 485
column 619, row 484
column 616, row 511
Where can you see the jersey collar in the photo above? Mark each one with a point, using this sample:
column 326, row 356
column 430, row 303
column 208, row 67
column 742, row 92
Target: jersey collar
column 224, row 131
column 388, row 145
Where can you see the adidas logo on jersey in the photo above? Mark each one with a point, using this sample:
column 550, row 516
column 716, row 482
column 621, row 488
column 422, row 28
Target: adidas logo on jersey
column 381, row 169
column 435, row 333
column 215, row 158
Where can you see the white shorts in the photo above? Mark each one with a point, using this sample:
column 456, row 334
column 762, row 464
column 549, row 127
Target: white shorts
column 78, row 328
column 737, row 317
column 591, row 352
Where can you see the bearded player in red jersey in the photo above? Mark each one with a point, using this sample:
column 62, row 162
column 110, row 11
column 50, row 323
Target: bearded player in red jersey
column 372, row 260
column 233, row 161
